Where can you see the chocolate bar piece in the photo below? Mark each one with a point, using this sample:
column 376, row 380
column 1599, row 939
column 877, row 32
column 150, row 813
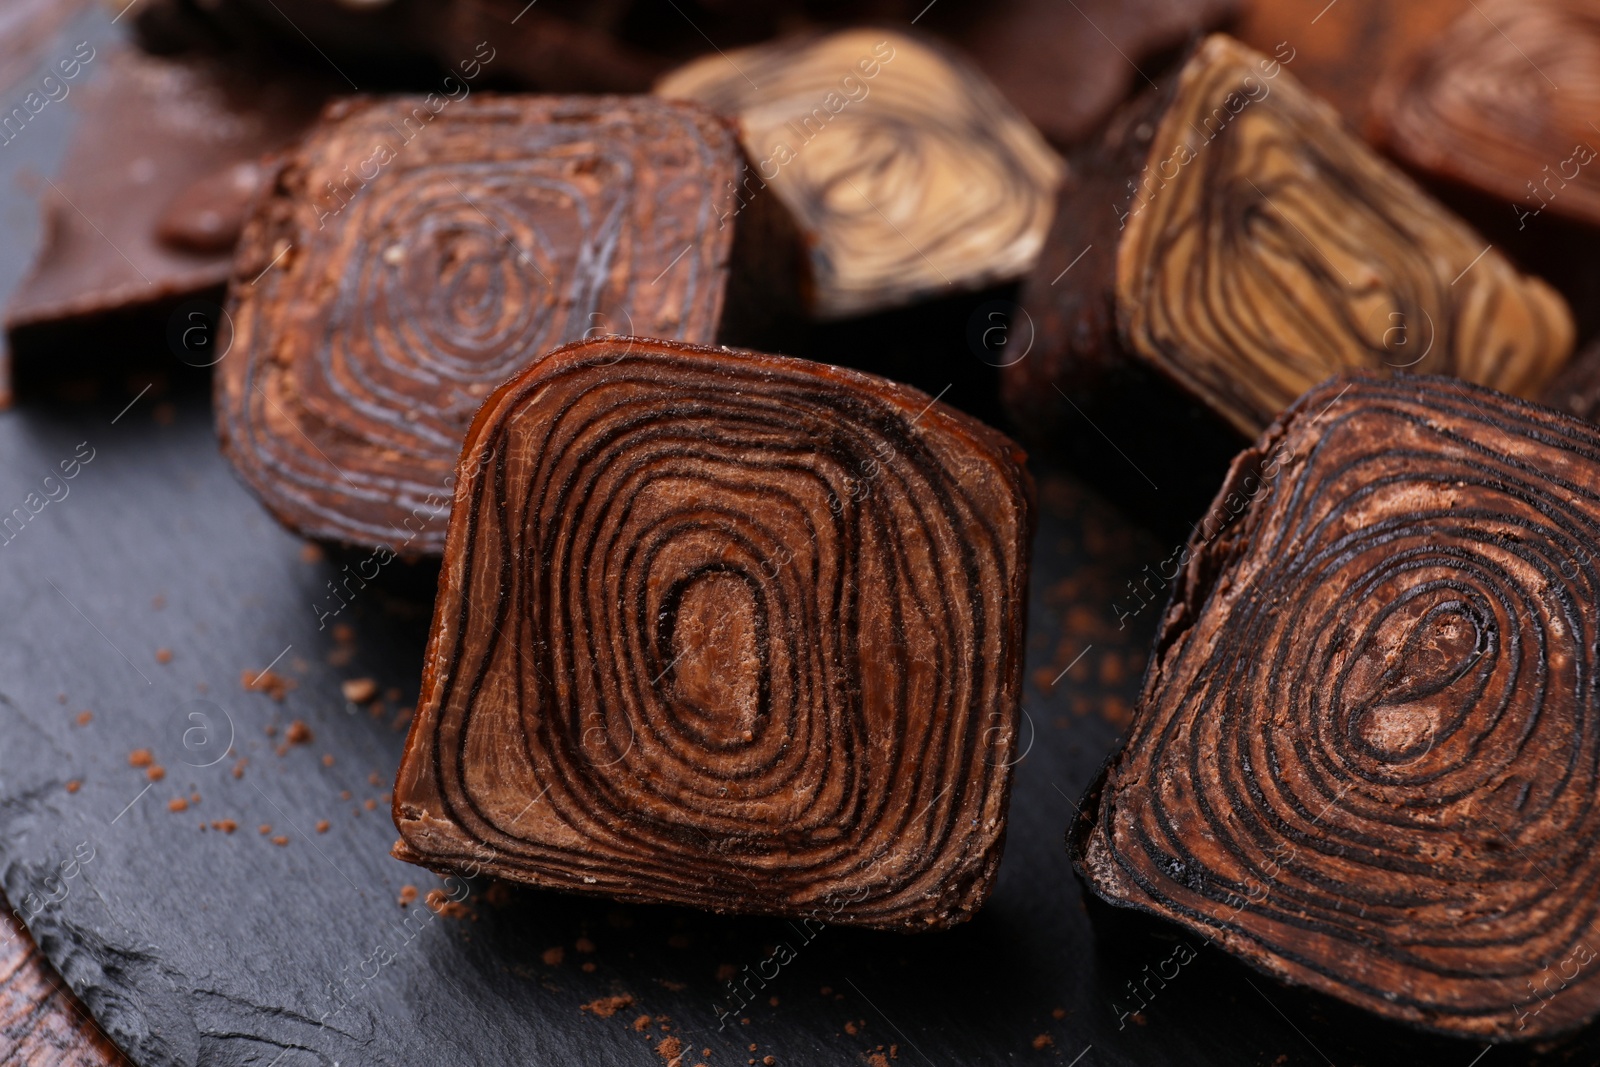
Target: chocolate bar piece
column 415, row 252
column 906, row 173
column 1481, row 108
column 1232, row 245
column 725, row 629
column 1067, row 66
column 153, row 192
column 1365, row 756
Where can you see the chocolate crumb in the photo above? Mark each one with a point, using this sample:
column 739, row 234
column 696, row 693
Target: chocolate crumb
column 322, row 826
column 281, row 840
column 238, row 768
column 327, row 759
column 140, row 757
column 310, row 552
column 370, row 804
column 266, row 828
column 583, row 944
column 177, row 804
column 670, row 1048
column 408, row 895
column 227, row 826
column 271, row 683
column 74, row 785
column 298, row 733
column 642, row 1023
column 163, row 655
column 360, row 690
column 606, row 1007
column 553, row 956
column 156, row 773
column 1043, row 1041
column 85, row 718
column 587, row 967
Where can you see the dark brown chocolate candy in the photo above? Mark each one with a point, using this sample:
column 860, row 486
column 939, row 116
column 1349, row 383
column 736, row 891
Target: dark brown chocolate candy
column 148, row 203
column 1231, row 245
column 906, row 173
column 414, row 253
column 1068, row 65
column 1504, row 102
column 725, row 629
column 1365, row 756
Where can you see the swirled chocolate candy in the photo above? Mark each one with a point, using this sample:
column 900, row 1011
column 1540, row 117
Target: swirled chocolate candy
column 725, row 629
column 905, row 171
column 1504, row 101
column 1366, row 758
column 414, row 253
column 1233, row 243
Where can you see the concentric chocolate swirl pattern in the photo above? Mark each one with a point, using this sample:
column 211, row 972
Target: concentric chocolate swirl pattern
column 1367, row 751
column 406, row 266
column 728, row 630
column 1505, row 101
column 1266, row 249
column 906, row 170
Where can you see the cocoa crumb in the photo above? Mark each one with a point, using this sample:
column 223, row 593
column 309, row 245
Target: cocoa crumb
column 877, row 1059
column 74, row 785
column 408, row 895
column 163, row 655
column 852, row 1028
column 298, row 733
column 441, row 904
column 768, row 1061
column 266, row 828
column 140, row 757
column 227, row 826
column 269, row 682
column 670, row 1048
column 583, row 944
column 360, row 690
column 343, row 633
column 553, row 956
column 156, row 773
column 344, row 794
column 1043, row 1041
column 642, row 1023
column 327, row 759
column 726, row 972
column 772, row 1001
column 238, row 768
column 606, row 1007
column 85, row 718
column 311, row 552
column 587, row 967
column 370, row 804
column 322, row 826
column 373, row 779
column 281, row 840
column 177, row 804
column 1059, row 1013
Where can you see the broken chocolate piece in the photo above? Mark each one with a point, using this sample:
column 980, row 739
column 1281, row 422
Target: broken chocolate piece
column 409, row 260
column 725, row 629
column 1067, row 66
column 1233, row 243
column 148, row 202
column 907, row 174
column 1364, row 759
column 1481, row 107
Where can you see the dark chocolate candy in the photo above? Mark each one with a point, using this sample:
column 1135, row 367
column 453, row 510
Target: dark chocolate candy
column 1365, row 756
column 413, row 255
column 725, row 629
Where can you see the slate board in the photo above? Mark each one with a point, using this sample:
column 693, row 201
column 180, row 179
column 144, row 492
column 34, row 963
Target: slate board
column 194, row 946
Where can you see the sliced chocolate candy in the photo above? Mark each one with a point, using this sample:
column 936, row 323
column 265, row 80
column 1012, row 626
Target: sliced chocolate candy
column 1366, row 758
column 415, row 252
column 729, row 630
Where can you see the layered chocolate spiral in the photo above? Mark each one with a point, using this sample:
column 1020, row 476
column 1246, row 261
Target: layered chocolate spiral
column 906, row 172
column 415, row 253
column 1265, row 249
column 727, row 630
column 1505, row 101
column 1367, row 753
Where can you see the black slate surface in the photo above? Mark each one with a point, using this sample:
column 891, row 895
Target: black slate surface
column 196, row 946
